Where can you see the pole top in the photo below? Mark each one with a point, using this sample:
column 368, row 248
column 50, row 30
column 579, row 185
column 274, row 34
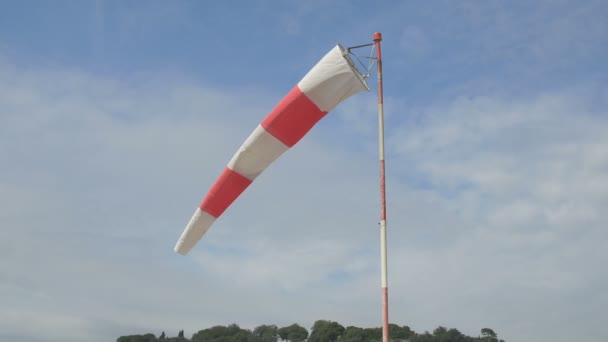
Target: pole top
column 377, row 36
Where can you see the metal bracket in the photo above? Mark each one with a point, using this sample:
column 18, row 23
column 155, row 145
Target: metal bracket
column 371, row 58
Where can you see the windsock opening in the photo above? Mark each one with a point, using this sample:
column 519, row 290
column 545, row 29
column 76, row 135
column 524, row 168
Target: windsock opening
column 353, row 66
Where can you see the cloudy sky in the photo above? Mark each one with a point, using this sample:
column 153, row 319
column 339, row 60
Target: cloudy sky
column 117, row 116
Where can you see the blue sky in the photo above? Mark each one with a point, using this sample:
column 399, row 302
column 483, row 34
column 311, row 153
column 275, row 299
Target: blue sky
column 116, row 117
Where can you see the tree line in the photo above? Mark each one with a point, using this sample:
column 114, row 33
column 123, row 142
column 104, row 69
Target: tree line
column 321, row 331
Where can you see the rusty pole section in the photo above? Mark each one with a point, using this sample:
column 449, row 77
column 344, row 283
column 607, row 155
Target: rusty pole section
column 385, row 333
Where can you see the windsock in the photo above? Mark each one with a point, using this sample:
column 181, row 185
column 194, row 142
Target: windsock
column 331, row 81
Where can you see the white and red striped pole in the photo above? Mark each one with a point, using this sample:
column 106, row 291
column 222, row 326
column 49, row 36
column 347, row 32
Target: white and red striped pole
column 385, row 333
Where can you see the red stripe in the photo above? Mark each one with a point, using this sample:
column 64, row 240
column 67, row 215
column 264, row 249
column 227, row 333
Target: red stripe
column 293, row 117
column 385, row 331
column 226, row 189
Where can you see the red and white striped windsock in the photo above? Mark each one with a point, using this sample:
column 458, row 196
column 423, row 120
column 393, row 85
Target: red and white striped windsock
column 332, row 80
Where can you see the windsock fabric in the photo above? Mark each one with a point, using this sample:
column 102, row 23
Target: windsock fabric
column 331, row 81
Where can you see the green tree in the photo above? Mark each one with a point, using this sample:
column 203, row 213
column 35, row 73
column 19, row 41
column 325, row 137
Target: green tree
column 266, row 333
column 137, row 338
column 373, row 334
column 176, row 339
column 439, row 331
column 325, row 331
column 179, row 338
column 322, row 331
column 425, row 337
column 396, row 332
column 454, row 335
column 220, row 333
column 353, row 334
column 441, row 334
column 488, row 335
column 293, row 333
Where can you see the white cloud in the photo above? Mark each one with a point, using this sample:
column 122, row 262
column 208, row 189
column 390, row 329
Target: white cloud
column 495, row 213
column 533, row 173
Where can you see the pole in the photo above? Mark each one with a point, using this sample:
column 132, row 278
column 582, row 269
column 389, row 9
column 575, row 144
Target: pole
column 385, row 334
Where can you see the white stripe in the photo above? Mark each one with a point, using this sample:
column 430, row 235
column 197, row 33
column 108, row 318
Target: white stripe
column 197, row 227
column 383, row 266
column 257, row 153
column 332, row 80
